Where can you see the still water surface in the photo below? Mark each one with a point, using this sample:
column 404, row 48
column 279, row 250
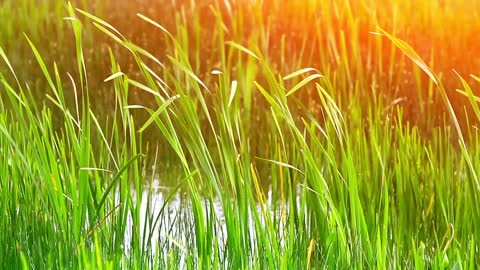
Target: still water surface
column 175, row 227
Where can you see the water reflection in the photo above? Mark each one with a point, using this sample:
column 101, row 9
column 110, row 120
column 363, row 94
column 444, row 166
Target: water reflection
column 171, row 227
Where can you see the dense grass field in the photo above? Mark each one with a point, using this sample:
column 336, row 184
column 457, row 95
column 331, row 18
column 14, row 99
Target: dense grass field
column 235, row 134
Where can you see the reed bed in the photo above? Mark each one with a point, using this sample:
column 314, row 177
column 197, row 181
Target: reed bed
column 328, row 134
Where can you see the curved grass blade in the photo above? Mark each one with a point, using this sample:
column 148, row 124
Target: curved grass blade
column 113, row 76
column 102, row 22
column 155, row 115
column 232, row 92
column 471, row 97
column 243, row 49
column 5, row 58
column 115, row 179
column 298, row 73
column 411, row 53
column 282, row 164
column 303, row 83
column 188, row 72
column 154, row 23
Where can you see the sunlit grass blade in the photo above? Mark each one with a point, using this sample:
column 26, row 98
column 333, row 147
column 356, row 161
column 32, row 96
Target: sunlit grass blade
column 298, row 73
column 157, row 113
column 303, row 83
column 411, row 53
column 233, row 91
column 242, row 49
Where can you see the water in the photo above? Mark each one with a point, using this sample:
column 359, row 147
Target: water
column 175, row 229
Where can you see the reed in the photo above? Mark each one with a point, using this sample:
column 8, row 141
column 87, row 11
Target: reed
column 325, row 142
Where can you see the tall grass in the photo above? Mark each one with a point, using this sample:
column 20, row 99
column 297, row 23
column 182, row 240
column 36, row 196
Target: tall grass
column 309, row 170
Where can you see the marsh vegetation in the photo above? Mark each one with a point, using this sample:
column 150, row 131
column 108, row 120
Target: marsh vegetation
column 239, row 134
